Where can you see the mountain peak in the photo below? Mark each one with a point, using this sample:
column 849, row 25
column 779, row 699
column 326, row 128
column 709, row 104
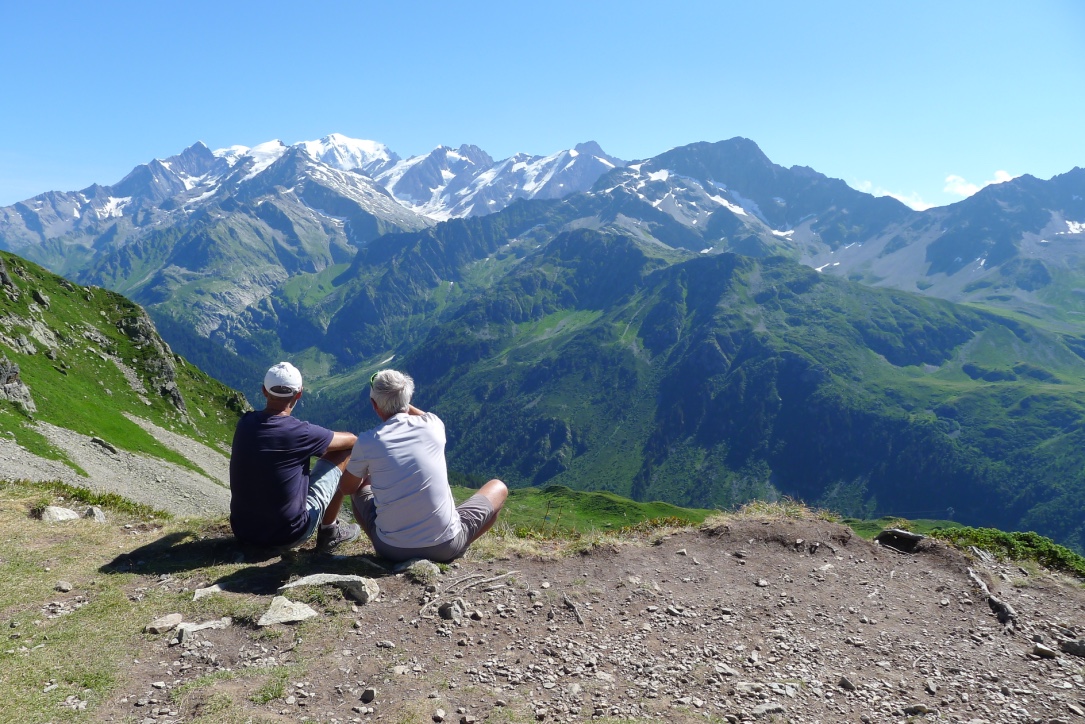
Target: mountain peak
column 350, row 154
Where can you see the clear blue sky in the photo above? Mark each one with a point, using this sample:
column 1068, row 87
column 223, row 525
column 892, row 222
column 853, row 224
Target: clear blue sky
column 889, row 96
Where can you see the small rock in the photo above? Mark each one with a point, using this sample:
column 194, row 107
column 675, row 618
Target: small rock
column 916, row 709
column 56, row 514
column 368, row 694
column 95, row 513
column 63, row 586
column 846, row 683
column 681, row 552
column 439, row 715
column 185, row 629
column 359, row 588
column 385, row 644
column 283, row 610
column 163, row 624
column 1045, row 652
column 423, row 571
column 400, row 670
column 208, row 591
column 104, row 445
column 762, row 583
column 450, row 611
column 931, row 687
column 770, row 708
column 1074, row 648
column 901, row 540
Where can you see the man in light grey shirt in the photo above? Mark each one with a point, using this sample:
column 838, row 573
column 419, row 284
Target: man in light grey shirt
column 405, row 503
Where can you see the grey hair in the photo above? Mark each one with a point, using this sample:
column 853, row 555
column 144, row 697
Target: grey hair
column 392, row 391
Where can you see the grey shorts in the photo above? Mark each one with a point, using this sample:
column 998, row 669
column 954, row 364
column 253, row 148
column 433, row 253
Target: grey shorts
column 475, row 513
column 323, row 482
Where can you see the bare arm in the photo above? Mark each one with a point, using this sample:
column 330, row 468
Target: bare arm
column 341, row 441
column 412, row 410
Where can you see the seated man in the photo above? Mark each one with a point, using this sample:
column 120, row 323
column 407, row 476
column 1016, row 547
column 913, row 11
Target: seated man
column 405, row 504
column 274, row 501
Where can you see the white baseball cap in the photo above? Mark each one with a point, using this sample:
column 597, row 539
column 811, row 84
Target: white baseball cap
column 283, row 380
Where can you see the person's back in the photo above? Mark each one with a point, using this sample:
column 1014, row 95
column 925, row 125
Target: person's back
column 275, row 500
column 404, row 502
column 269, row 473
column 404, row 460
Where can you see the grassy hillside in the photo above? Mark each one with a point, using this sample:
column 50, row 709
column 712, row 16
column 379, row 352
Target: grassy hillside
column 87, row 357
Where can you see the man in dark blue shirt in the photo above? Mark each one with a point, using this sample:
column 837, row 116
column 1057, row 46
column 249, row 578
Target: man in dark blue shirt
column 274, row 500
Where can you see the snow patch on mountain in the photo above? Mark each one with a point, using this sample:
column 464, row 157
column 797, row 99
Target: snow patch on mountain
column 748, row 204
column 114, row 207
column 231, row 155
column 729, row 206
column 263, row 156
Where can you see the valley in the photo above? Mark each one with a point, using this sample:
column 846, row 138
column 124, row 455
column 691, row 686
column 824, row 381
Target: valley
column 703, row 327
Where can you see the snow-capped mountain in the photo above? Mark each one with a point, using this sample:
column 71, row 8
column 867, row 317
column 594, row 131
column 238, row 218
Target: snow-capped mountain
column 1014, row 244
column 734, row 196
column 351, row 154
column 449, row 183
column 335, row 170
column 205, row 236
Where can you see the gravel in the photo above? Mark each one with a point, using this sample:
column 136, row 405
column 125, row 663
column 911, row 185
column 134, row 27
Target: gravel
column 141, row 478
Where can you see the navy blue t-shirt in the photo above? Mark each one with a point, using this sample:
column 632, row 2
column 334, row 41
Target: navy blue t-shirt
column 269, row 476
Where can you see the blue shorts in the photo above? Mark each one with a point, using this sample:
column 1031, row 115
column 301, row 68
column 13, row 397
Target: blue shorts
column 323, row 482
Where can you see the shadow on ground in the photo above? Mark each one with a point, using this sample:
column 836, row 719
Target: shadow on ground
column 262, row 570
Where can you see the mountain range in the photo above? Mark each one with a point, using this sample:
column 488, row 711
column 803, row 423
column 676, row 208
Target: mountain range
column 702, row 327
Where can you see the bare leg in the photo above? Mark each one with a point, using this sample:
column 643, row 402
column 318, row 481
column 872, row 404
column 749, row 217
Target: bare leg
column 496, row 492
column 340, row 460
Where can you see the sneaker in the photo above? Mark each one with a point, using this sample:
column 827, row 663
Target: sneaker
column 329, row 538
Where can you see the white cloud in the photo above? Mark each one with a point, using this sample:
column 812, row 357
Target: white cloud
column 912, row 199
column 958, row 186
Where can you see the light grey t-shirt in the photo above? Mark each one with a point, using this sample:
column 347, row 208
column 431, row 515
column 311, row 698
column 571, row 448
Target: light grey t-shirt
column 404, row 458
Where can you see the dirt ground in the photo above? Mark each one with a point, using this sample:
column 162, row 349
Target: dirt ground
column 796, row 621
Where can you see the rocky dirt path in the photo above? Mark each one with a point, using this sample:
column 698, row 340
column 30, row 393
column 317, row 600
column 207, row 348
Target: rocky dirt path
column 140, row 478
column 794, row 621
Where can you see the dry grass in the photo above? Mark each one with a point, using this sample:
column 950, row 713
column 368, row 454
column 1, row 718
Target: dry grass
column 768, row 511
